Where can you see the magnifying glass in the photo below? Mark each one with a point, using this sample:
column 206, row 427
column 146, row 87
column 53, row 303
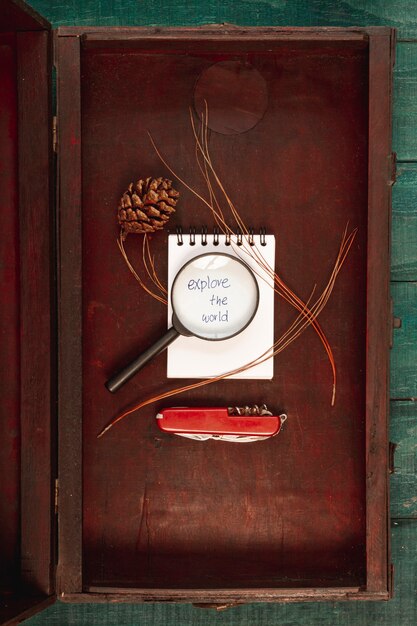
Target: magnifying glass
column 214, row 297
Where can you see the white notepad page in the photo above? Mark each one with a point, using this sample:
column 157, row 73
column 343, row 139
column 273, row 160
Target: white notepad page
column 190, row 357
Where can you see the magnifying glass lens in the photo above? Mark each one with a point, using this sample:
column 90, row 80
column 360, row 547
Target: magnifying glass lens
column 214, row 296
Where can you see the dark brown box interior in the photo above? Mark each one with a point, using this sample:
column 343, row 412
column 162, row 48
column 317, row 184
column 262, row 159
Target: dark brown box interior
column 290, row 511
column 142, row 514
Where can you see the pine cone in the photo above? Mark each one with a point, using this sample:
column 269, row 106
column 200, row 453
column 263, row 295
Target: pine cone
column 146, row 206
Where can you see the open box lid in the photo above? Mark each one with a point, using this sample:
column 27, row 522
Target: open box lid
column 26, row 457
column 16, row 16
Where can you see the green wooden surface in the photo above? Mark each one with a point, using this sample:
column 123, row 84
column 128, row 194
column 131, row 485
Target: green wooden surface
column 404, row 353
column 403, row 432
column 404, row 223
column 402, row 610
column 399, row 13
column 405, row 101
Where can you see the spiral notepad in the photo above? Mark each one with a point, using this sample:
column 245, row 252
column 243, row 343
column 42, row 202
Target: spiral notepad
column 190, row 357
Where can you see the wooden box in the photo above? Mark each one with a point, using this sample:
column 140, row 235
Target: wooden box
column 137, row 515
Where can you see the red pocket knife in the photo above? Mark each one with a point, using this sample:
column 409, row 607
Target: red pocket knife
column 240, row 424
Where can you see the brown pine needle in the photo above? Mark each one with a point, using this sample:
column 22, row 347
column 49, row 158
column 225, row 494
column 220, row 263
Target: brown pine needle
column 307, row 315
column 136, row 275
column 150, row 269
column 283, row 289
column 290, row 335
column 181, row 180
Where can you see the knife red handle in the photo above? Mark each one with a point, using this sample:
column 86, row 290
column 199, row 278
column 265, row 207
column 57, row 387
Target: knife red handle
column 217, row 421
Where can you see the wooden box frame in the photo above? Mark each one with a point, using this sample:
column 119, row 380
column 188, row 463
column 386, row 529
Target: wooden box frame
column 59, row 572
column 34, row 469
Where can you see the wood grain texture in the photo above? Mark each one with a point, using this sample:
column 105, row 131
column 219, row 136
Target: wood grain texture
column 18, row 15
column 401, row 14
column 404, row 352
column 405, row 109
column 9, row 319
column 403, row 433
column 69, row 320
column 404, row 224
column 401, row 611
column 124, row 551
column 25, row 365
column 405, row 102
column 20, row 608
column 378, row 319
column 36, row 302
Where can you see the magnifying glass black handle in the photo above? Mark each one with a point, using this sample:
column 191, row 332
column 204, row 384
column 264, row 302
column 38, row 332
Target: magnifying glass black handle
column 119, row 379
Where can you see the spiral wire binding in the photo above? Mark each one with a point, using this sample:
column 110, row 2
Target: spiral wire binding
column 192, row 236
column 250, row 238
column 216, row 236
column 180, row 240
